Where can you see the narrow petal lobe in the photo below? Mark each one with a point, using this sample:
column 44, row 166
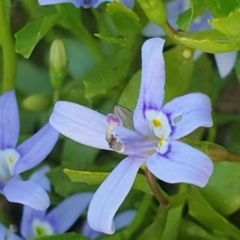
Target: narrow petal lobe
column 187, row 113
column 36, row 149
column 182, row 163
column 112, row 193
column 152, row 84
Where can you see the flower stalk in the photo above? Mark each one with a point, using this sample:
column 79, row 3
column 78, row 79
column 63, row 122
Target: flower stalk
column 155, row 188
column 8, row 50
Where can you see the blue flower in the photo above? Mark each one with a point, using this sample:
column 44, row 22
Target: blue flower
column 17, row 159
column 225, row 61
column 85, row 3
column 151, row 138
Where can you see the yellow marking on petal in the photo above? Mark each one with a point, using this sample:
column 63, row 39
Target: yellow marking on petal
column 161, row 141
column 10, row 160
column 156, row 123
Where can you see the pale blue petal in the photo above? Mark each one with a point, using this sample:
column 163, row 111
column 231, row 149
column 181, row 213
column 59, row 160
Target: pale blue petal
column 27, row 193
column 87, row 231
column 28, row 217
column 80, row 124
column 6, row 234
column 181, row 163
column 152, row 84
column 201, row 23
column 36, row 149
column 197, row 54
column 77, row 3
column 152, row 30
column 40, row 177
column 9, row 120
column 124, row 219
column 121, row 221
column 96, row 3
column 62, row 217
column 225, row 62
column 112, row 193
column 188, row 113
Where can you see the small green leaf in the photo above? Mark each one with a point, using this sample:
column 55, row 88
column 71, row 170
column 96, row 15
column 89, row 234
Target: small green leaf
column 28, row 37
column 229, row 26
column 109, row 73
column 126, row 21
column 185, row 19
column 203, row 212
column 94, row 178
column 221, row 8
column 199, row 42
column 178, row 72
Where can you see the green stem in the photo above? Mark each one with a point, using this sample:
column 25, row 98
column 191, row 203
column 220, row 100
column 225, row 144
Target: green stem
column 8, row 50
column 159, row 222
column 155, row 188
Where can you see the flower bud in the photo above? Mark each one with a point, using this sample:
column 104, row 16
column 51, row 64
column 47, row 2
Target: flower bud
column 155, row 11
column 58, row 64
column 37, row 102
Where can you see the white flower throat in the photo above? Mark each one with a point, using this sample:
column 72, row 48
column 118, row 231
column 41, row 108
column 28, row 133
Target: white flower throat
column 8, row 160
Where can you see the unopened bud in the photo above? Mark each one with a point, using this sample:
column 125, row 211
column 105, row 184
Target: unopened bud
column 155, row 11
column 58, row 64
column 37, row 102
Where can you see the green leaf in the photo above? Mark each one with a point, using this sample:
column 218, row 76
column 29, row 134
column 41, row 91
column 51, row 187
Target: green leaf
column 201, row 41
column 126, row 21
column 94, row 178
column 202, row 76
column 221, row 8
column 185, row 19
column 203, row 212
column 228, row 26
column 178, row 72
column 224, row 184
column 109, row 73
column 68, row 236
column 28, row 37
column 130, row 94
column 237, row 69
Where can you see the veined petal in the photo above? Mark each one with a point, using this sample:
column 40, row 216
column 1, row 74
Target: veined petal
column 181, row 163
column 28, row 193
column 225, row 62
column 152, row 84
column 35, row 149
column 9, row 121
column 40, row 177
column 6, row 233
column 187, row 113
column 87, row 231
column 81, row 124
column 112, row 193
column 65, row 214
column 28, row 217
column 77, row 3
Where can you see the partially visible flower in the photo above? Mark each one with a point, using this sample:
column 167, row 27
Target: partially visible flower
column 15, row 160
column 85, row 3
column 8, row 233
column 225, row 61
column 40, row 223
column 121, row 221
column 152, row 140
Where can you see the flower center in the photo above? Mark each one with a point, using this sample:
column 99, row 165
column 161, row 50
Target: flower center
column 8, row 160
column 41, row 228
column 159, row 123
column 112, row 138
